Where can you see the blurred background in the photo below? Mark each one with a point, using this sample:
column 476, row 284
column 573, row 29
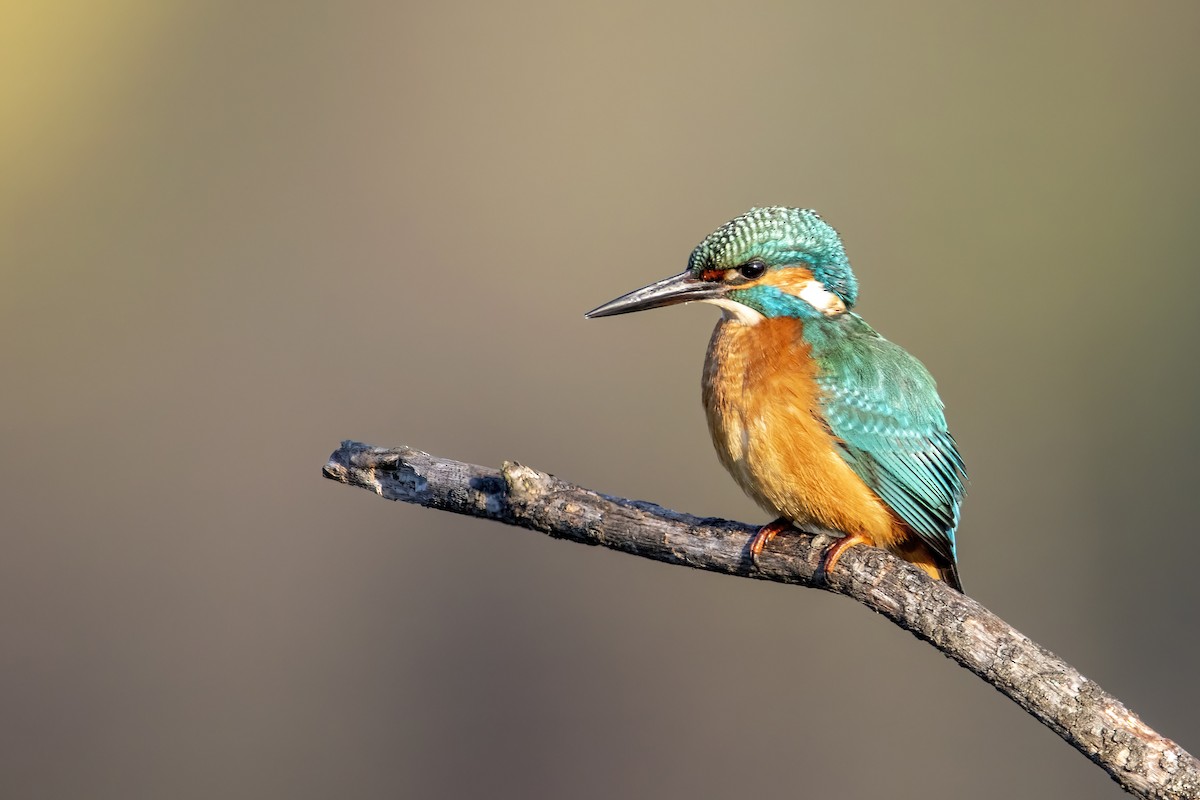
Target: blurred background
column 234, row 234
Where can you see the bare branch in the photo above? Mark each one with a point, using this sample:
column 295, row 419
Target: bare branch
column 1092, row 721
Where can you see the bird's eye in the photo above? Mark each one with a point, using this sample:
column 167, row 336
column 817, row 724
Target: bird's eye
column 752, row 269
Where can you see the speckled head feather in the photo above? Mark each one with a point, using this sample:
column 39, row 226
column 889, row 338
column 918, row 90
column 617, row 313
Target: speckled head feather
column 780, row 236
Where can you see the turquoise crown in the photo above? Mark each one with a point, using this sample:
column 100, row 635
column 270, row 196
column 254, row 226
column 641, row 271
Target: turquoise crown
column 780, row 236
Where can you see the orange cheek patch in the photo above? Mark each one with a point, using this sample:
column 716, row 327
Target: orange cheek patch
column 800, row 282
column 790, row 280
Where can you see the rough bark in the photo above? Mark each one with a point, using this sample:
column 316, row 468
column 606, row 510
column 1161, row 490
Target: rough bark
column 1092, row 721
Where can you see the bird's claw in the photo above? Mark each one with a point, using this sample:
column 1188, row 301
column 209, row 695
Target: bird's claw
column 835, row 551
column 765, row 534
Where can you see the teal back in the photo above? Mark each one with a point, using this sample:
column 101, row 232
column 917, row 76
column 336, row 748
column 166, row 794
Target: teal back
column 883, row 406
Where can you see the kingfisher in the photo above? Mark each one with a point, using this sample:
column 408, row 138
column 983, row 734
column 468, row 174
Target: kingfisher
column 822, row 421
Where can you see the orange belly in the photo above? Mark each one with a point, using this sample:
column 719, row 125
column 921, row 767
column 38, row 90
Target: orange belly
column 764, row 414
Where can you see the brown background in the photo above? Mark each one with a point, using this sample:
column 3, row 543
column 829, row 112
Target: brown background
column 234, row 234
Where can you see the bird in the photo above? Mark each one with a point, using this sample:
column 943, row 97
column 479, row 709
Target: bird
column 819, row 419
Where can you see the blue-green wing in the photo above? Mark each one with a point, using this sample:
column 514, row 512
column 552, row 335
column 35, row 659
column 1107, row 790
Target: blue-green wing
column 883, row 406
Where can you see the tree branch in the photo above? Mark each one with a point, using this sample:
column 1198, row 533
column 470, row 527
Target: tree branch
column 1089, row 719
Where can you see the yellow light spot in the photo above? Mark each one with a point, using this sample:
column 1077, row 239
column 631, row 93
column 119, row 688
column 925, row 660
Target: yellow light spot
column 66, row 66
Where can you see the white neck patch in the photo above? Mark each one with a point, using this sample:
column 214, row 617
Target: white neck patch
column 820, row 298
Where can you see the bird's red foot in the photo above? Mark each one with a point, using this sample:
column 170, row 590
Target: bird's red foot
column 766, row 534
column 835, row 552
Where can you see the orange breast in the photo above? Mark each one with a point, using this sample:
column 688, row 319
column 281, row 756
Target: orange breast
column 764, row 414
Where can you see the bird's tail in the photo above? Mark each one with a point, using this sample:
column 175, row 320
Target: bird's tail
column 934, row 564
column 949, row 573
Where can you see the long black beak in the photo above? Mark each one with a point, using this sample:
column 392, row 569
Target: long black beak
column 682, row 288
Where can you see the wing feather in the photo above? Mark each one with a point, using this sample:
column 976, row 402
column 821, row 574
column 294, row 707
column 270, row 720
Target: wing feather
column 883, row 407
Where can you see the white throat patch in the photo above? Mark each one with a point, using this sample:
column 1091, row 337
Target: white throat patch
column 734, row 310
